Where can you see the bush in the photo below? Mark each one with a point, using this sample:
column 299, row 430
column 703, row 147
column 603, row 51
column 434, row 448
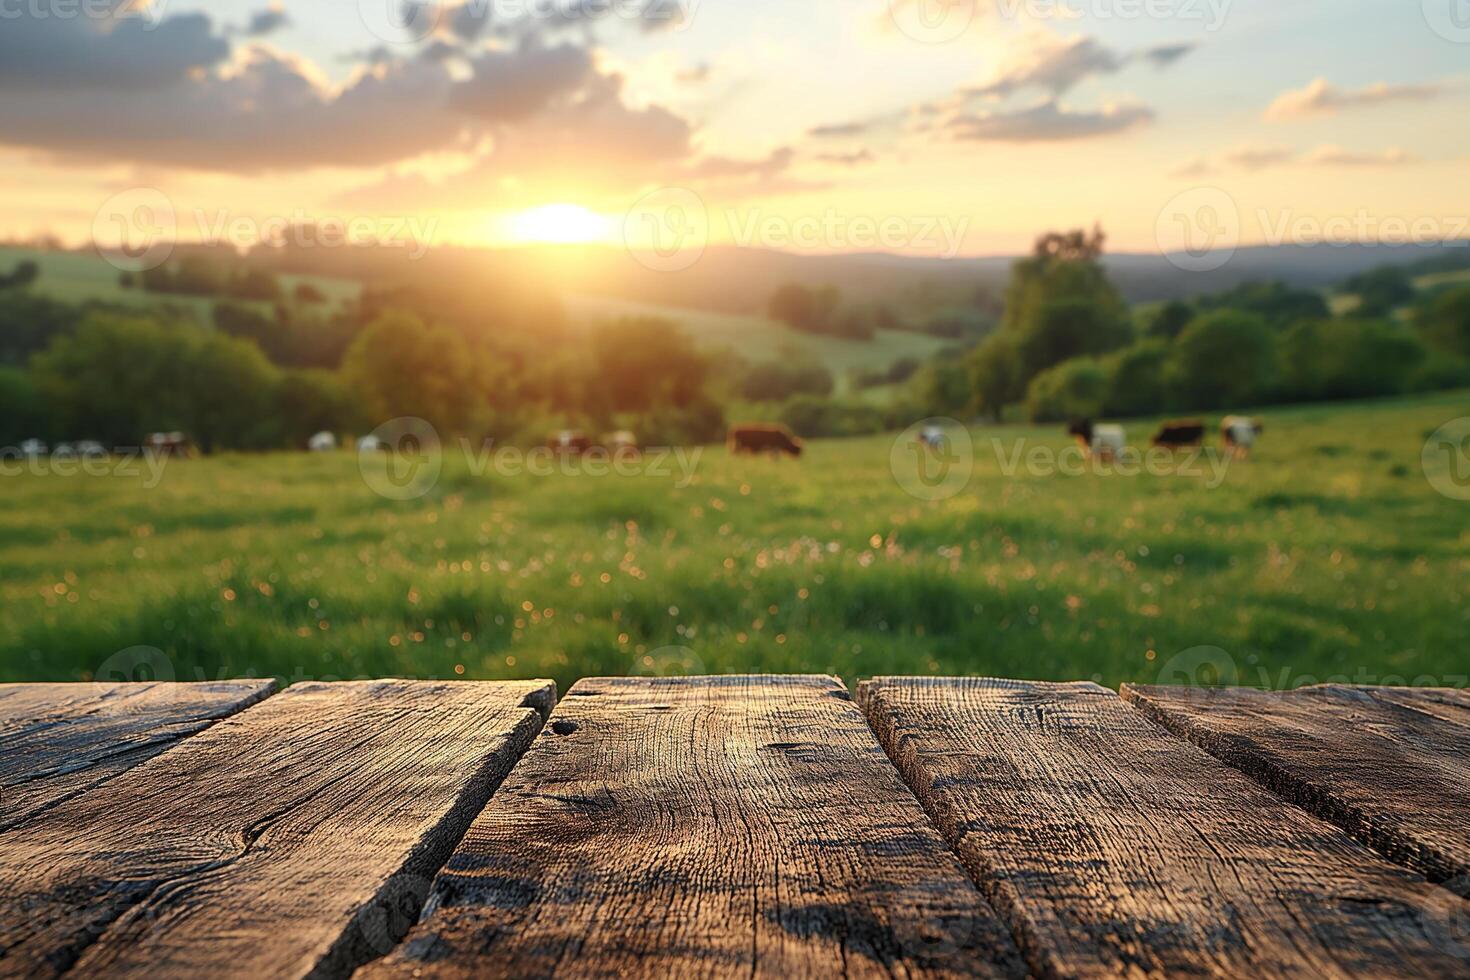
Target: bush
column 1444, row 319
column 1136, row 379
column 1348, row 359
column 21, row 413
column 816, row 418
column 1225, row 359
column 1077, row 389
column 773, row 381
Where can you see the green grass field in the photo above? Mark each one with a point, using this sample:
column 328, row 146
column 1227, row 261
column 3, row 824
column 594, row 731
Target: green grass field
column 73, row 277
column 1327, row 554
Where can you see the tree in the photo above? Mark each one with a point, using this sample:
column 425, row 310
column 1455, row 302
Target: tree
column 641, row 363
column 310, row 401
column 1380, row 291
column 1445, row 321
column 30, row 323
column 942, row 387
column 1276, row 303
column 811, row 310
column 773, row 381
column 1060, row 304
column 1169, row 320
column 1224, row 359
column 995, row 374
column 21, row 413
column 230, row 389
column 1136, row 379
column 26, row 272
column 1068, row 327
column 116, row 379
column 308, row 294
column 1077, row 389
column 401, row 367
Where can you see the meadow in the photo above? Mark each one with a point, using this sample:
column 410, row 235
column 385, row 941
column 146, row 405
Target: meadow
column 1327, row 554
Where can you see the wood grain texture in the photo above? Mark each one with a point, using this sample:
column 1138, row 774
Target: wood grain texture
column 1118, row 850
column 297, row 838
column 60, row 740
column 1391, row 766
column 704, row 827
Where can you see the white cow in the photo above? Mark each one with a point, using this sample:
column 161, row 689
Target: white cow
column 370, row 444
column 322, row 442
column 1103, row 441
column 33, row 448
column 1240, row 434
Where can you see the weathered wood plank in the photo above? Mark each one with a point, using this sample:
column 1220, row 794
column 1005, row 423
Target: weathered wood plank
column 705, row 827
column 1391, row 766
column 1119, row 850
column 60, row 740
column 296, row 838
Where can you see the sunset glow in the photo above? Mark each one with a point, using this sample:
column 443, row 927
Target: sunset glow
column 559, row 224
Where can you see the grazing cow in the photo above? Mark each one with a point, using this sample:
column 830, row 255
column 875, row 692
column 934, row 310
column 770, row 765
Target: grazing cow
column 1240, row 434
column 33, row 449
column 322, row 442
column 174, row 444
column 371, row 444
column 933, row 438
column 621, row 444
column 570, row 442
column 1103, row 441
column 773, row 439
column 1181, row 434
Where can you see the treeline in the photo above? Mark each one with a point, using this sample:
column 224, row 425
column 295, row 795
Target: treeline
column 822, row 310
column 483, row 363
column 1068, row 346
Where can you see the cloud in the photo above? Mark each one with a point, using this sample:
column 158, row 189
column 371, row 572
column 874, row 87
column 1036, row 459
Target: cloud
column 838, row 131
column 123, row 54
column 1258, row 158
column 264, row 22
column 1322, row 98
column 1336, row 156
column 510, row 85
column 257, row 109
column 1048, row 122
column 1055, row 64
column 1166, row 54
column 855, row 159
column 1049, row 62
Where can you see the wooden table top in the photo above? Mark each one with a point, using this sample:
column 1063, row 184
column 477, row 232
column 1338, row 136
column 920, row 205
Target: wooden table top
column 732, row 826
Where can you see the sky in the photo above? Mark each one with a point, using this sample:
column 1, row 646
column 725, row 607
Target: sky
column 924, row 127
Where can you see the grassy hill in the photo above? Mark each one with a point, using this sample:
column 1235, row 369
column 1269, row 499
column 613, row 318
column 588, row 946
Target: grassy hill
column 1329, row 554
column 758, row 338
column 80, row 277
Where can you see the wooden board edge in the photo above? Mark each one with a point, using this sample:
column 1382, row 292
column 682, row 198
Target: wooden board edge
column 1295, row 789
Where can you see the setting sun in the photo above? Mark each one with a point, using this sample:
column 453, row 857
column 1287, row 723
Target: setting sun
column 560, row 224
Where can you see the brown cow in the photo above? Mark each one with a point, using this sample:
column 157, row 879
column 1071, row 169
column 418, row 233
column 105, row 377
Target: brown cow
column 570, row 443
column 773, row 439
column 1181, row 434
